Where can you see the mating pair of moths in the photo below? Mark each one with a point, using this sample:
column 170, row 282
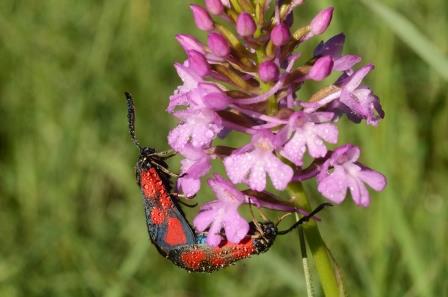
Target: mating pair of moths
column 170, row 231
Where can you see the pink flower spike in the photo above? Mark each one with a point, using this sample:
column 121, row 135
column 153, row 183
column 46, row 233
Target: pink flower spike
column 245, row 25
column 341, row 172
column 321, row 21
column 222, row 213
column 202, row 18
column 215, row 7
column 250, row 167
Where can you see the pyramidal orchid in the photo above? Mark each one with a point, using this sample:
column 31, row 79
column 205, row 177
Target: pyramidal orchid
column 246, row 77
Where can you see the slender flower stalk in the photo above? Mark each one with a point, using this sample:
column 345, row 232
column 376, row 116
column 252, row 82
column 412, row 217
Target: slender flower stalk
column 246, row 77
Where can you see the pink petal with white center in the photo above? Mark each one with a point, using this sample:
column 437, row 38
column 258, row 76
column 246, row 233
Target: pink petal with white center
column 181, row 95
column 334, row 186
column 359, row 192
column 280, row 173
column 213, row 236
column 295, row 148
column 222, row 213
column 237, row 166
column 203, row 218
column 235, row 227
column 200, row 128
column 251, row 167
column 316, row 146
column 178, row 137
column 327, row 132
column 374, row 179
column 176, row 100
column 188, row 77
column 257, row 177
column 188, row 185
column 310, row 136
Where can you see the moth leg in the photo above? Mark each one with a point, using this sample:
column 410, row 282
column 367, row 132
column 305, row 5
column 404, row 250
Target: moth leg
column 165, row 170
column 178, row 195
column 165, row 154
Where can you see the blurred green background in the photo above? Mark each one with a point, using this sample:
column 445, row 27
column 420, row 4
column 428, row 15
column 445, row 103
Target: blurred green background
column 71, row 219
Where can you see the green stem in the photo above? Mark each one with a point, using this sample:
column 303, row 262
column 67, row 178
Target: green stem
column 324, row 265
column 306, row 268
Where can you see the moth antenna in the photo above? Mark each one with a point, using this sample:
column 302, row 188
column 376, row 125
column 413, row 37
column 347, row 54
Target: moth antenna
column 131, row 119
column 282, row 218
column 305, row 218
column 263, row 216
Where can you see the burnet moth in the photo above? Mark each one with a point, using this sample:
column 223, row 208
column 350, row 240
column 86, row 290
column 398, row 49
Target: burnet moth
column 170, row 231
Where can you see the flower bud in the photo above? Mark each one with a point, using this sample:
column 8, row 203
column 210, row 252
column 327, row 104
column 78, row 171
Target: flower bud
column 198, row 63
column 280, row 35
column 202, row 18
column 268, row 71
column 321, row 21
column 215, row 7
column 321, row 68
column 188, row 43
column 218, row 44
column 245, row 25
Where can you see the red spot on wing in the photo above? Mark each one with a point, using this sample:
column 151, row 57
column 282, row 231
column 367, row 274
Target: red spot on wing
column 175, row 234
column 218, row 260
column 231, row 252
column 153, row 188
column 148, row 182
column 157, row 216
column 243, row 250
column 193, row 259
column 165, row 201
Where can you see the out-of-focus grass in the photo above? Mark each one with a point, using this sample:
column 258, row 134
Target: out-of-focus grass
column 71, row 222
